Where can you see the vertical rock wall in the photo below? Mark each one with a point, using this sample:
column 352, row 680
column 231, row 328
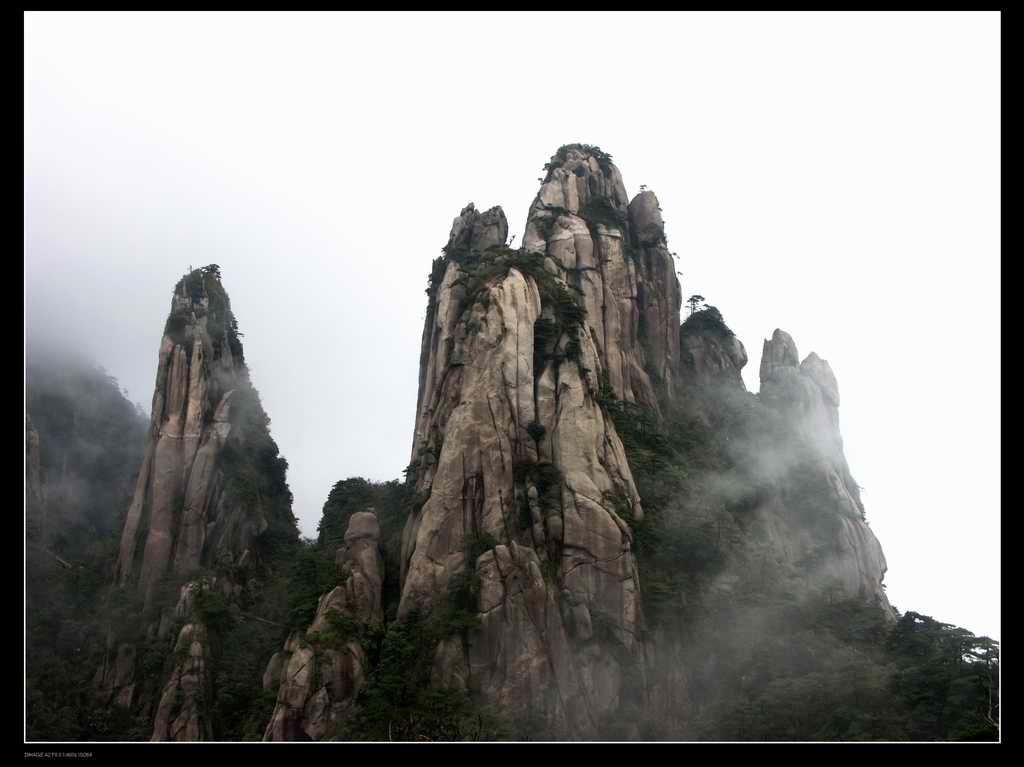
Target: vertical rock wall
column 183, row 523
column 806, row 394
column 524, row 480
column 614, row 253
column 176, row 519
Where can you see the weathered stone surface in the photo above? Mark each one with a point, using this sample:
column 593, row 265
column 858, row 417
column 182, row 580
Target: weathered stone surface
column 319, row 678
column 177, row 507
column 180, row 518
column 711, row 359
column 779, row 352
column 818, row 370
column 616, row 255
column 645, row 217
column 183, row 711
column 491, row 374
column 475, row 231
column 114, row 682
column 559, row 505
column 272, row 674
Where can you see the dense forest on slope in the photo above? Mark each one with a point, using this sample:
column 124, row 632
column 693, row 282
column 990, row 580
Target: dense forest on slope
column 90, row 440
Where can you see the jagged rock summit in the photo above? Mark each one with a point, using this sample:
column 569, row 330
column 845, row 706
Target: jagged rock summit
column 556, row 386
column 807, row 395
column 524, row 482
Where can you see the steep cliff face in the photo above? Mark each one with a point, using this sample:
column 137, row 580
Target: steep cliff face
column 781, row 470
column 524, row 482
column 711, row 355
column 807, row 396
column 177, row 519
column 549, row 377
column 613, row 252
column 210, row 490
column 753, row 519
column 320, row 672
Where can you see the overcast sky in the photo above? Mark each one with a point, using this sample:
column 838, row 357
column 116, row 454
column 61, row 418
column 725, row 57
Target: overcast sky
column 835, row 175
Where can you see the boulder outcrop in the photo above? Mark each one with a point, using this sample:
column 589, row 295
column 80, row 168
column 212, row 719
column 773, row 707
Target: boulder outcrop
column 319, row 673
column 711, row 355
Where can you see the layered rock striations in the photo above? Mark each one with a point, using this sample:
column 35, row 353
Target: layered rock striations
column 533, row 363
column 524, row 480
column 177, row 519
column 210, row 489
column 612, row 251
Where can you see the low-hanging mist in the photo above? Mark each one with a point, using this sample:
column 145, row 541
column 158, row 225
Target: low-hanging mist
column 600, row 533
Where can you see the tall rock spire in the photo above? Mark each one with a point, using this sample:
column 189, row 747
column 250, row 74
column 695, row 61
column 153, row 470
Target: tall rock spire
column 35, row 502
column 806, row 394
column 523, row 479
column 210, row 485
column 613, row 252
column 180, row 518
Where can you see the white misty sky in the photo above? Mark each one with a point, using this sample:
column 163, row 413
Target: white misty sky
column 833, row 174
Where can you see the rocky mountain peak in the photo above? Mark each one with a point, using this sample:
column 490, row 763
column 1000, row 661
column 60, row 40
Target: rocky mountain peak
column 711, row 353
column 645, row 219
column 318, row 674
column 474, row 232
column 177, row 520
column 211, row 484
column 819, row 371
column 614, row 255
column 779, row 352
column 582, row 180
